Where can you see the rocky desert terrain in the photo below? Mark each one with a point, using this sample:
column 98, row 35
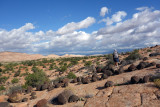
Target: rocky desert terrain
column 82, row 81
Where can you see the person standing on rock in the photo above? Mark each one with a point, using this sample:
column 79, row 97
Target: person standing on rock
column 115, row 57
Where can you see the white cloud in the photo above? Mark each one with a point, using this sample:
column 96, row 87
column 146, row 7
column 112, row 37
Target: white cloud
column 104, row 11
column 143, row 29
column 70, row 27
column 117, row 17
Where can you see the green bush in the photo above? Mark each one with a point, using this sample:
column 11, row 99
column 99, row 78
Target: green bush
column 15, row 80
column 63, row 68
column 133, row 55
column 88, row 63
column 71, row 75
column 1, row 64
column 157, row 82
column 2, row 88
column 17, row 73
column 35, row 69
column 149, row 50
column 3, row 79
column 1, row 70
column 36, row 78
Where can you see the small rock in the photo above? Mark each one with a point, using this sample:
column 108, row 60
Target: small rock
column 158, row 65
column 44, row 86
column 141, row 65
column 74, row 80
column 146, row 79
column 66, row 84
column 78, row 79
column 4, row 104
column 24, row 99
column 104, row 76
column 73, row 98
column 33, row 93
column 132, row 67
column 85, row 80
column 39, row 87
column 108, row 84
column 62, row 99
column 42, row 103
column 135, row 79
column 145, row 58
column 108, row 72
column 33, row 97
column 29, row 89
column 58, row 85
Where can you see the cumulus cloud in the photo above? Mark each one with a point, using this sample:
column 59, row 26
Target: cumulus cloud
column 117, row 17
column 70, row 27
column 143, row 29
column 104, row 11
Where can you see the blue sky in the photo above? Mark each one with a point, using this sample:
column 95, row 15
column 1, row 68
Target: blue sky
column 78, row 26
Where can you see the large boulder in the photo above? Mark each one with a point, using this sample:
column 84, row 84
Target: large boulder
column 15, row 98
column 58, row 85
column 108, row 84
column 65, row 80
column 42, row 103
column 73, row 98
column 135, row 79
column 64, row 96
column 132, row 67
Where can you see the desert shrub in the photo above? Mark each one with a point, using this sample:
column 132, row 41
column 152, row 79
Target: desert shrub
column 3, row 79
column 1, row 70
column 14, row 88
column 63, row 68
column 17, row 73
column 97, row 63
column 149, row 50
column 71, row 75
column 157, row 82
column 2, row 88
column 15, row 80
column 44, row 60
column 44, row 66
column 88, row 63
column 36, row 78
column 134, row 55
column 0, row 74
column 51, row 60
column 35, row 69
column 51, row 67
column 1, row 64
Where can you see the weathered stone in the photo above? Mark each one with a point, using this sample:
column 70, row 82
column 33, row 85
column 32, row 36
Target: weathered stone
column 58, row 85
column 132, row 67
column 29, row 89
column 108, row 72
column 39, row 87
column 73, row 98
column 158, row 65
column 24, row 99
column 78, row 79
column 154, row 54
column 42, row 103
column 99, row 69
column 33, row 97
column 119, row 71
column 108, row 84
column 66, row 84
column 64, row 96
column 146, row 79
column 15, row 98
column 44, row 86
column 94, row 79
column 85, row 80
column 33, row 93
column 4, row 104
column 145, row 58
column 141, row 65
column 74, row 80
column 65, row 80
column 50, row 87
column 104, row 76
column 135, row 79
